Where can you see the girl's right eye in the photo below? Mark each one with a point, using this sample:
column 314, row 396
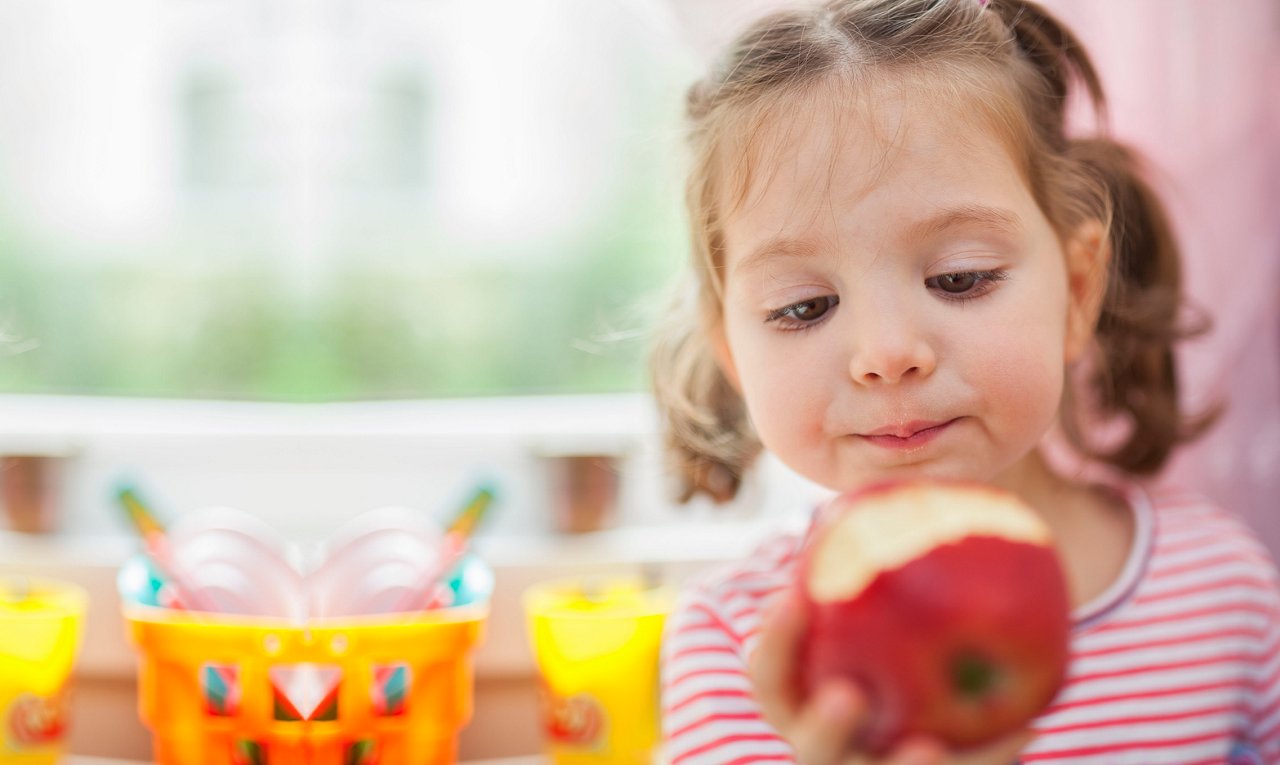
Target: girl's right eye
column 805, row 313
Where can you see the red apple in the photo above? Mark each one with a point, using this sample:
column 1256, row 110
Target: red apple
column 945, row 602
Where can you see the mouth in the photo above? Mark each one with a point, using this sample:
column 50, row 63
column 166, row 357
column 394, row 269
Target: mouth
column 907, row 435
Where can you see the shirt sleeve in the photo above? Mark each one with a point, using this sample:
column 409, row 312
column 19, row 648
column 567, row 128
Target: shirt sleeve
column 709, row 713
column 1265, row 716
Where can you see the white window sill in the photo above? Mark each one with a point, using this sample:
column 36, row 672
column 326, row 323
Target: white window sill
column 306, row 469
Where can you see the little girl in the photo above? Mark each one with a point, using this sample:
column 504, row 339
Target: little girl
column 905, row 267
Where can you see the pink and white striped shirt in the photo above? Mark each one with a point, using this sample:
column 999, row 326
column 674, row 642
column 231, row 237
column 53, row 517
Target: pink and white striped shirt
column 1177, row 662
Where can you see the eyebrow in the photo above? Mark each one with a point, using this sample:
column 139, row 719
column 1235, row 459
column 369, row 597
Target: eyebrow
column 778, row 248
column 982, row 216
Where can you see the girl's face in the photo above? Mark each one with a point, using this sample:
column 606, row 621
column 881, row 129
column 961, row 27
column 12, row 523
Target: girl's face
column 895, row 303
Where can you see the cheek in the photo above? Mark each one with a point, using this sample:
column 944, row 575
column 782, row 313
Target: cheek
column 783, row 384
column 1021, row 374
column 786, row 400
column 1032, row 381
column 1026, row 360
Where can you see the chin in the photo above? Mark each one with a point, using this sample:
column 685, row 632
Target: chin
column 925, row 470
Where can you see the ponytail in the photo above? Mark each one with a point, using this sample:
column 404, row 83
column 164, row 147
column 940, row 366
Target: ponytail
column 1056, row 55
column 706, row 431
column 1136, row 377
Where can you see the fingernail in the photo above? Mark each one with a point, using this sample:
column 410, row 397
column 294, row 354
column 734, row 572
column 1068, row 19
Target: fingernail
column 783, row 607
column 836, row 703
column 921, row 754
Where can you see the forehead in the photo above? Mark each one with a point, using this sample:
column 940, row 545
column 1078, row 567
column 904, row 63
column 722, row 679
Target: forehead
column 834, row 146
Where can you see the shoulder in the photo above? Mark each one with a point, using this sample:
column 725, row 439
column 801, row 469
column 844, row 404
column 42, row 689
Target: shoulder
column 772, row 561
column 1191, row 527
column 1206, row 562
column 733, row 597
column 710, row 712
column 1190, row 559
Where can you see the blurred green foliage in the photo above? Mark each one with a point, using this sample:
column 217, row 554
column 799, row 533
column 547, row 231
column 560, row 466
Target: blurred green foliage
column 401, row 325
column 217, row 305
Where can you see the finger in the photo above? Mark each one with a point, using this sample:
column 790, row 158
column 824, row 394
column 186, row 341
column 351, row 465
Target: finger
column 823, row 730
column 918, row 751
column 773, row 663
column 1003, row 751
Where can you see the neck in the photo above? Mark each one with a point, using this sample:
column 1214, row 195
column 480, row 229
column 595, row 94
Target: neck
column 1048, row 493
column 1092, row 531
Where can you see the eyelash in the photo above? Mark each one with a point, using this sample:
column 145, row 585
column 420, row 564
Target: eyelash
column 985, row 281
column 791, row 324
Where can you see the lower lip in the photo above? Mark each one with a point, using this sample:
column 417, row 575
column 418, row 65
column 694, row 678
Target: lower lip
column 913, row 441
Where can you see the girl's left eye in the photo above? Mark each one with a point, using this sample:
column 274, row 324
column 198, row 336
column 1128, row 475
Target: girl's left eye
column 965, row 284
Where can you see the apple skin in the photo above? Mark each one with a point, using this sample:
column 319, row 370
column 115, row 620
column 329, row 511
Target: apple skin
column 966, row 641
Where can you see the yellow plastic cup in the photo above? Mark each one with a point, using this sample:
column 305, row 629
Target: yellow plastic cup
column 596, row 643
column 41, row 622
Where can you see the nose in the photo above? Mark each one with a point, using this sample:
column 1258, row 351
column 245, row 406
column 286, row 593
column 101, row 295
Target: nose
column 889, row 347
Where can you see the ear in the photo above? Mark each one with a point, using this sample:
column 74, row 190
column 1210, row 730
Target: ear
column 724, row 357
column 1088, row 256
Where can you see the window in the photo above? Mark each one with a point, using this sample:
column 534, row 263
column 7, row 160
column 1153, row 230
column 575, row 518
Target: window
column 335, row 200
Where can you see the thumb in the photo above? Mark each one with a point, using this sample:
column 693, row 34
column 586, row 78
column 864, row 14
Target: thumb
column 1001, row 752
column 773, row 662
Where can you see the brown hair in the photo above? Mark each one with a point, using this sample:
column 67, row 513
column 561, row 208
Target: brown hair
column 1022, row 65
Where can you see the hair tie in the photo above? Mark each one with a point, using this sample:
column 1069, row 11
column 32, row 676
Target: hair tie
column 982, row 3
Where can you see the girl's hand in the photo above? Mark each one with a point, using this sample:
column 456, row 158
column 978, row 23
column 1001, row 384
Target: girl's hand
column 822, row 729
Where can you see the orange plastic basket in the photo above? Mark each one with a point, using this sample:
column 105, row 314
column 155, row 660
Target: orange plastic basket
column 217, row 690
